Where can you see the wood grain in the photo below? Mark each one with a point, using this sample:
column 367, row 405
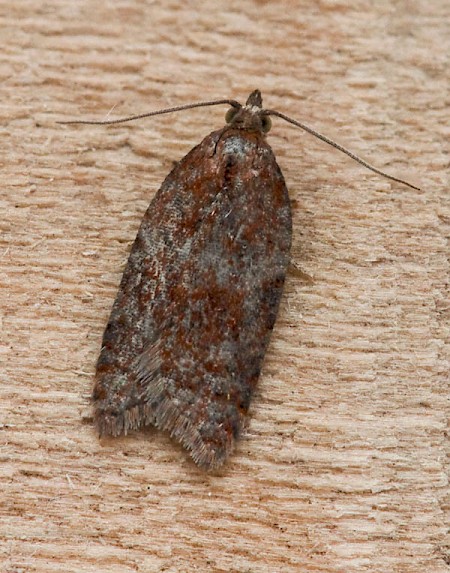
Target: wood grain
column 343, row 467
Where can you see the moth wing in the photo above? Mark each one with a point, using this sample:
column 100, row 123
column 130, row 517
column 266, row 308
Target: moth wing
column 187, row 335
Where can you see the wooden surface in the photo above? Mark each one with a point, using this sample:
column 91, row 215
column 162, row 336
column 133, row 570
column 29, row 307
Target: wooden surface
column 342, row 468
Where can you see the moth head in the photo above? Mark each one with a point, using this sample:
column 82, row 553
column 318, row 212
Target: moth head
column 251, row 117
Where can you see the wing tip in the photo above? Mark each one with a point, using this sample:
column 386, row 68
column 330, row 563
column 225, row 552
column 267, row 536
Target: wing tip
column 206, row 455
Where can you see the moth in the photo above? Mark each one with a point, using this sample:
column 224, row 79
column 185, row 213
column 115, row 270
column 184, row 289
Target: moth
column 188, row 331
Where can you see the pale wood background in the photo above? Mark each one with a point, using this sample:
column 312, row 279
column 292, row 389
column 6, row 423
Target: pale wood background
column 342, row 468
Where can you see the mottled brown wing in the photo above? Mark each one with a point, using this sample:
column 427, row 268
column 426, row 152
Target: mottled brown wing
column 187, row 335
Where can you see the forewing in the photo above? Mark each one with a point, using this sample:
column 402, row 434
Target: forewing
column 187, row 335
